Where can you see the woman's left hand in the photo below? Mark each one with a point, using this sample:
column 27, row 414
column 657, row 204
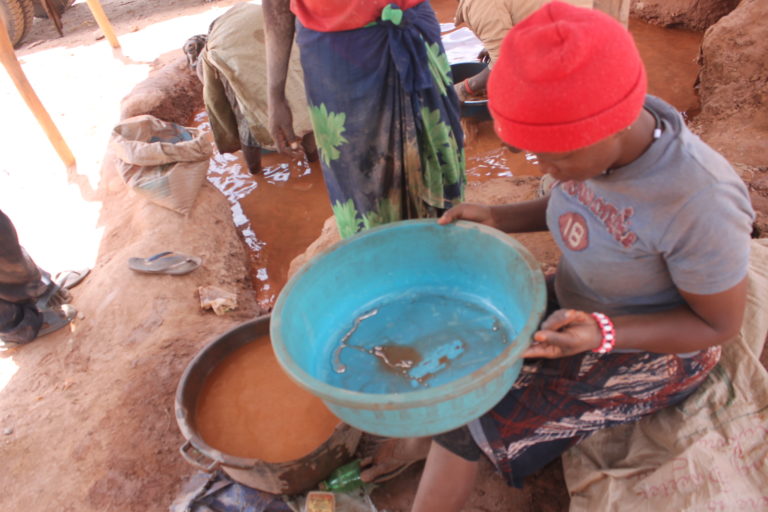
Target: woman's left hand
column 564, row 333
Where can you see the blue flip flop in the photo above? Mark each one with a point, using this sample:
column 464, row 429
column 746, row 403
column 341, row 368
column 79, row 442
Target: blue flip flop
column 168, row 262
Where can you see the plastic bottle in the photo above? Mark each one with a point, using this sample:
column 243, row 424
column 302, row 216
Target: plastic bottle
column 344, row 478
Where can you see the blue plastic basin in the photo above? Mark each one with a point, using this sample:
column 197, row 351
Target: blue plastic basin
column 410, row 329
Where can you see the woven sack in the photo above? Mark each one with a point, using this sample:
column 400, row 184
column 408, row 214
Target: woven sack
column 164, row 162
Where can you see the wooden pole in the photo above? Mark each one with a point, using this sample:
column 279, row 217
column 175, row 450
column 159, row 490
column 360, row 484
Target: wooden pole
column 98, row 12
column 8, row 57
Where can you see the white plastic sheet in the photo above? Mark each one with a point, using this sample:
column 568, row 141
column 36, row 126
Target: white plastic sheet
column 461, row 45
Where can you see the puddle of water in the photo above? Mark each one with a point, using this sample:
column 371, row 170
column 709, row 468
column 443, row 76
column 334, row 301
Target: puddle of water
column 487, row 158
column 278, row 212
column 670, row 57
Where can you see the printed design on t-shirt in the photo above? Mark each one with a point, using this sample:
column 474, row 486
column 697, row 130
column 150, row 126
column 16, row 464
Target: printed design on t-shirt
column 573, row 229
column 615, row 221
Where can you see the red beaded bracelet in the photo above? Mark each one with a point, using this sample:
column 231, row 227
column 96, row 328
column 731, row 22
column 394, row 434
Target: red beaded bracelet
column 467, row 88
column 608, row 331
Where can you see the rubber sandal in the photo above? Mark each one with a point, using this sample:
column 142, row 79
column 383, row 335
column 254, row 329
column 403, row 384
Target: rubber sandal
column 385, row 477
column 167, row 262
column 54, row 296
column 370, row 445
column 70, row 278
column 56, row 318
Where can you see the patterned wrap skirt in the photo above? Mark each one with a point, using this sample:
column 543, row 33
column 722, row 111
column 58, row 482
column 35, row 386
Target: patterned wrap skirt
column 385, row 117
column 555, row 403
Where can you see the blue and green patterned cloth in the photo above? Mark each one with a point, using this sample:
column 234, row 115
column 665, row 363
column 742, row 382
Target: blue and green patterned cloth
column 385, row 117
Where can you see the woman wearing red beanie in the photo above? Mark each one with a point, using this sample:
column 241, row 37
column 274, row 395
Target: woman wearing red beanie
column 654, row 229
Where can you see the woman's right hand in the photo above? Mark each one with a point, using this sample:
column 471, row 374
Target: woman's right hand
column 281, row 127
column 473, row 212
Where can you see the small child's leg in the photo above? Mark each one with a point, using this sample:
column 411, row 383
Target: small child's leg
column 446, row 483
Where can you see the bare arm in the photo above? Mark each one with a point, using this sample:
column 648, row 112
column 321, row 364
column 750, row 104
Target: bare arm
column 278, row 31
column 708, row 320
column 523, row 217
column 705, row 321
column 477, row 84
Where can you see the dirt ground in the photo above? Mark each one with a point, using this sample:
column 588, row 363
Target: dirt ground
column 87, row 414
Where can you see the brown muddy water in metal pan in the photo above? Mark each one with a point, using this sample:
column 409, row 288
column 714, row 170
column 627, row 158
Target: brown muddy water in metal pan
column 250, row 408
column 281, row 211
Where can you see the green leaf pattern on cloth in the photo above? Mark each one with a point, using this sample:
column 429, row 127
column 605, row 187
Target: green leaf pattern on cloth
column 439, row 66
column 442, row 159
column 392, row 13
column 407, row 144
column 385, row 212
column 346, row 218
column 328, row 127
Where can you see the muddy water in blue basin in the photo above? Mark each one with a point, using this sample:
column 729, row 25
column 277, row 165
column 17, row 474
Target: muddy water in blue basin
column 414, row 340
column 411, row 328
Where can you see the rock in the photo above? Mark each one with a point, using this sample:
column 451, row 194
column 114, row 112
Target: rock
column 690, row 14
column 733, row 85
column 173, row 94
column 220, row 301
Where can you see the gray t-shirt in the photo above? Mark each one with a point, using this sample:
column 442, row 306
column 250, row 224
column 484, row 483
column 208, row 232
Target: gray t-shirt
column 678, row 217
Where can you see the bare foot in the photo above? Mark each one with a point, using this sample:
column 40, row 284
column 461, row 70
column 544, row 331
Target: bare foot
column 384, row 458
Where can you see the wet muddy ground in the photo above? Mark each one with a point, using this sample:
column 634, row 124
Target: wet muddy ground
column 280, row 211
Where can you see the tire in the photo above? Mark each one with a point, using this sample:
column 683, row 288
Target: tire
column 59, row 5
column 16, row 19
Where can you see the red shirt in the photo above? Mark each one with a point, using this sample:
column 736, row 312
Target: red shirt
column 335, row 15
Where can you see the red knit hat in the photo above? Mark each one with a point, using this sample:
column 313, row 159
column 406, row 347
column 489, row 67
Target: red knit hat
column 567, row 77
